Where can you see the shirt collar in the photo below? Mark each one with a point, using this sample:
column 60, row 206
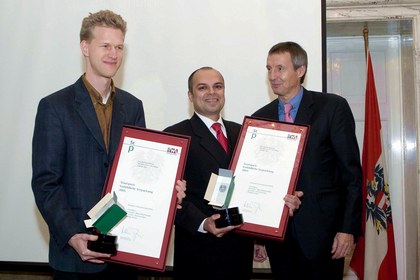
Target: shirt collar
column 209, row 122
column 295, row 101
column 97, row 96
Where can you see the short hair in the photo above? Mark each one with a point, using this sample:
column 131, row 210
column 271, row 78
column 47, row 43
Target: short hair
column 191, row 77
column 297, row 53
column 105, row 18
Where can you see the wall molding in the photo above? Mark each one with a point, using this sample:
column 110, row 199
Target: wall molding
column 372, row 12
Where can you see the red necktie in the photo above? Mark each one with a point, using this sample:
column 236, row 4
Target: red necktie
column 287, row 108
column 220, row 136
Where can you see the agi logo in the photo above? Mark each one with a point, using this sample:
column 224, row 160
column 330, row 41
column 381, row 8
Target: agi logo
column 292, row 137
column 172, row 151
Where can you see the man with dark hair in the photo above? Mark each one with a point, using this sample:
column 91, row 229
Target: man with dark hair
column 323, row 231
column 203, row 251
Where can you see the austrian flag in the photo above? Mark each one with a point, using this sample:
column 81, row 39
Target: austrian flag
column 374, row 256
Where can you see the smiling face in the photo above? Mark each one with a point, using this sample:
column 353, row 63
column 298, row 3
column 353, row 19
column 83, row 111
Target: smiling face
column 284, row 79
column 207, row 93
column 103, row 53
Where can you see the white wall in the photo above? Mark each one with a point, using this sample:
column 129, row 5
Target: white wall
column 165, row 42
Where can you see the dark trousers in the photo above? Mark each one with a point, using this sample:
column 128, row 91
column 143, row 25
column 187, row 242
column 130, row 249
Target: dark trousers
column 288, row 262
column 112, row 272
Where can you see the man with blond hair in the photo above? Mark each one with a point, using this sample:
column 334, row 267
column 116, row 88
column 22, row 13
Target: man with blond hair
column 77, row 131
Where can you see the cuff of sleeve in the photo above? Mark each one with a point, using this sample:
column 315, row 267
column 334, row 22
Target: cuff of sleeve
column 201, row 227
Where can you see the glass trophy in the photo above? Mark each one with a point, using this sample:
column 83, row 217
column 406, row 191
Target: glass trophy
column 219, row 192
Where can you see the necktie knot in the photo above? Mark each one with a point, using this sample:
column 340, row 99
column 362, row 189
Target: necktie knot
column 287, row 108
column 220, row 136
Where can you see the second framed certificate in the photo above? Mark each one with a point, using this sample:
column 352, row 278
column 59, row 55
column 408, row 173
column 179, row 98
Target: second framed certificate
column 266, row 165
column 143, row 175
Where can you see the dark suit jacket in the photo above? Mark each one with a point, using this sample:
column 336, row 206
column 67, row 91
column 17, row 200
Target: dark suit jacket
column 198, row 255
column 330, row 176
column 70, row 164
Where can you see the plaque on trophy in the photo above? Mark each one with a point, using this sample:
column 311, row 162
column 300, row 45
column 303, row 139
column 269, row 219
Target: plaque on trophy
column 104, row 216
column 219, row 193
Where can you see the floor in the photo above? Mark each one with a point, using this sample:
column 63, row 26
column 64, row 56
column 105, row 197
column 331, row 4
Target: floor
column 11, row 275
column 43, row 272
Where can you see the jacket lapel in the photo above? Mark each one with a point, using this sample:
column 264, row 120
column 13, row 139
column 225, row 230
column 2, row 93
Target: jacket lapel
column 208, row 141
column 118, row 116
column 83, row 105
column 305, row 110
column 273, row 110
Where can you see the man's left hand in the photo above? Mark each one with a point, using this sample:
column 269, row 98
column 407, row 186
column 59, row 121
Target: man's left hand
column 342, row 245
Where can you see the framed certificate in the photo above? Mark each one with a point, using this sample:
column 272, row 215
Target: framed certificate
column 146, row 166
column 266, row 165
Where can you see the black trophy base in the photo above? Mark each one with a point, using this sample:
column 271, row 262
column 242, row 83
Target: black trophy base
column 229, row 217
column 104, row 244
